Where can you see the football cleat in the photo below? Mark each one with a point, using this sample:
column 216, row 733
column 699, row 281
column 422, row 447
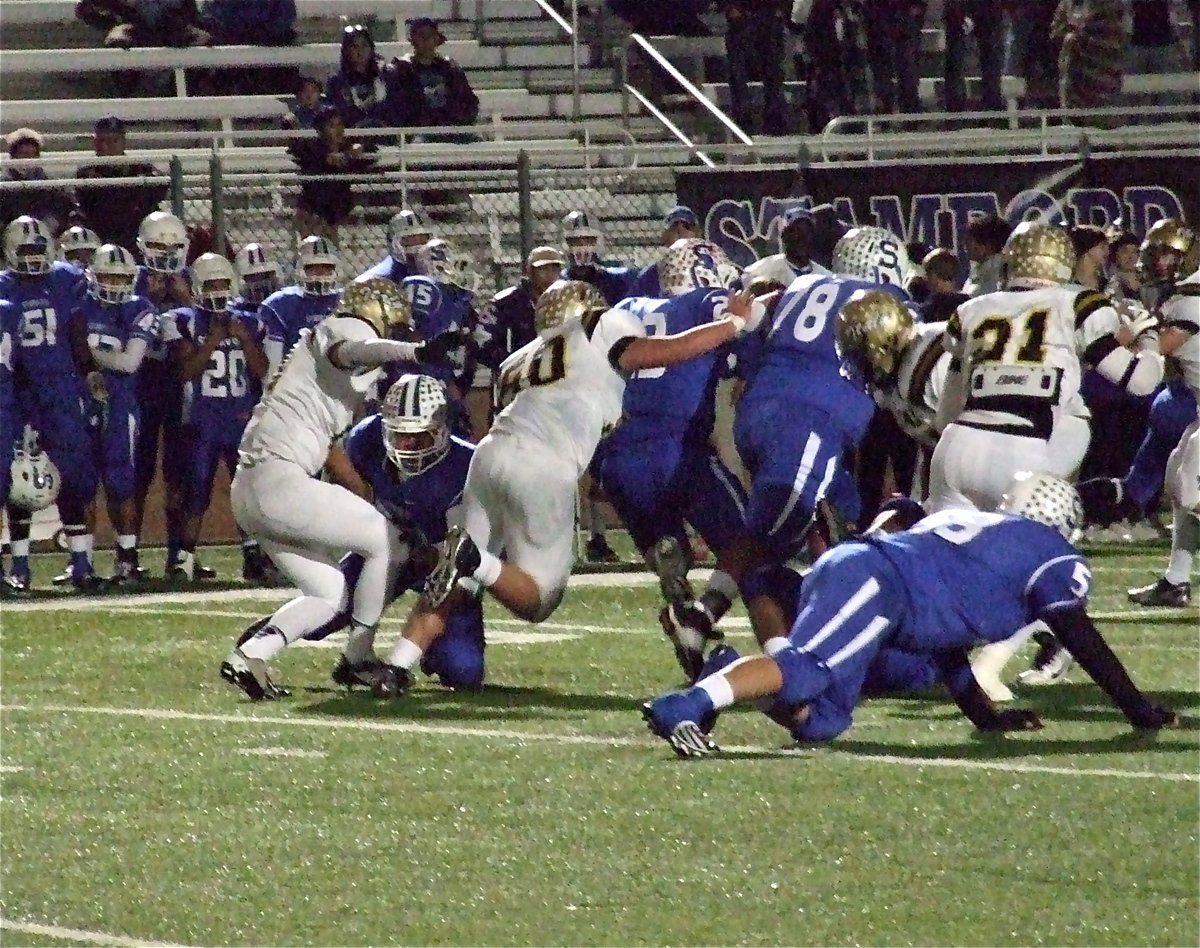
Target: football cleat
column 678, row 719
column 85, row 582
column 671, row 562
column 204, row 572
column 688, row 627
column 258, row 569
column 18, row 584
column 459, row 557
column 391, row 681
column 1162, row 593
column 349, row 674
column 720, row 657
column 597, row 550
column 1050, row 665
column 251, row 676
column 127, row 577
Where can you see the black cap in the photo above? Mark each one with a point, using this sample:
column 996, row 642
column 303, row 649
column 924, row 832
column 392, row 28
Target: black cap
column 419, row 22
column 109, row 125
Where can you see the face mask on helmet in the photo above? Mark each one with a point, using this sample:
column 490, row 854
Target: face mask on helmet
column 29, row 246
column 78, row 244
column 214, row 279
column 317, row 262
column 871, row 254
column 416, row 433
column 162, row 241
column 1047, row 499
column 257, row 273
column 112, row 274
column 691, row 264
column 35, row 481
column 407, row 233
column 1169, row 251
column 582, row 239
column 872, row 330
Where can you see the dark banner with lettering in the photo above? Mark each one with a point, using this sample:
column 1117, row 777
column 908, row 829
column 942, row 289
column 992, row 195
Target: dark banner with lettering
column 933, row 203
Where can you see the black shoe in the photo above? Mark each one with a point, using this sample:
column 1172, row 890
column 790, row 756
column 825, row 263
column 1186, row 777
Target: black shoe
column 88, row 583
column 391, row 681
column 204, row 572
column 251, row 676
column 251, row 630
column 459, row 557
column 127, row 577
column 1162, row 593
column 689, row 628
column 257, row 568
column 366, row 673
column 18, row 585
column 597, row 550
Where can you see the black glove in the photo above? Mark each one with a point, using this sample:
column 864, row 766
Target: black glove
column 441, row 345
column 1015, row 719
column 1152, row 717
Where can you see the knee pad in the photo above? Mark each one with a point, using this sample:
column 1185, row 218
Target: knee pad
column 804, row 677
column 825, row 721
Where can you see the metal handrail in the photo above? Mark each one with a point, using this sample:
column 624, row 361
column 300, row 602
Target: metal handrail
column 670, row 126
column 713, row 109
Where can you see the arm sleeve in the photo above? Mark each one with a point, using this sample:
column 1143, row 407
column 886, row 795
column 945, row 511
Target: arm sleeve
column 352, row 344
column 1137, row 373
column 126, row 361
column 1082, row 639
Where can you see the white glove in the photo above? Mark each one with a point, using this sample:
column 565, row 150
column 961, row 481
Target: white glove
column 1142, row 322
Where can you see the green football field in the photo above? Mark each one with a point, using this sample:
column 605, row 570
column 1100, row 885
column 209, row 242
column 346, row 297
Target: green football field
column 145, row 802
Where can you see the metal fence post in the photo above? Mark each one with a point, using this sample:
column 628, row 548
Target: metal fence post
column 176, row 169
column 524, row 204
column 576, row 106
column 217, row 199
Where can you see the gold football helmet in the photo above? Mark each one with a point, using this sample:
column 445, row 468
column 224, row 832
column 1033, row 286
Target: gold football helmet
column 1164, row 239
column 1038, row 254
column 872, row 330
column 564, row 301
column 379, row 302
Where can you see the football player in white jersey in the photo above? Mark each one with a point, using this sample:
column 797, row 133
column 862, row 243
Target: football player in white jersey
column 559, row 395
column 1011, row 400
column 797, row 233
column 304, row 524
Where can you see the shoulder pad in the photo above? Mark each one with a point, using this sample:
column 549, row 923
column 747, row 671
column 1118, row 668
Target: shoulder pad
column 504, row 294
column 1087, row 302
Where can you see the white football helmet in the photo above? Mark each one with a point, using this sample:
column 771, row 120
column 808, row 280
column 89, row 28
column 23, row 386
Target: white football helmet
column 437, row 259
column 112, row 274
column 162, row 241
column 214, row 282
column 582, row 238
column 35, row 480
column 318, row 252
column 406, row 231
column 29, row 246
column 78, row 244
column 872, row 254
column 416, row 429
column 258, row 273
column 691, row 263
column 1047, row 499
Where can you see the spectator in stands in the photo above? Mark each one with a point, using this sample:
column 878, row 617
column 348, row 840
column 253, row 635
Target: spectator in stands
column 681, row 222
column 677, row 18
column 754, row 47
column 894, row 43
column 1028, row 52
column 310, row 99
column 114, row 212
column 364, row 87
column 324, row 204
column 50, row 205
column 832, row 58
column 1125, row 282
column 437, row 85
column 987, row 29
column 1091, row 38
column 251, row 22
column 127, row 23
column 941, row 276
column 986, row 236
column 1153, row 43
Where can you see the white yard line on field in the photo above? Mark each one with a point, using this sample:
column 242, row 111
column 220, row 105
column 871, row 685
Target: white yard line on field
column 409, row 727
column 10, row 769
column 77, row 935
column 278, row 752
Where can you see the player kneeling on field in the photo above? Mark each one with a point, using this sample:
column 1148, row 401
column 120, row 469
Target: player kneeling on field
column 956, row 578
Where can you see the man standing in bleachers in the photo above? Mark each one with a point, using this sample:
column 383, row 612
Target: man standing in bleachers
column 50, row 205
column 438, row 86
column 754, row 45
column 116, row 212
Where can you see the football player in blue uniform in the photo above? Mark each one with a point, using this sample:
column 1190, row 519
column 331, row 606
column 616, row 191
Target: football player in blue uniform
column 258, row 276
column 121, row 327
column 680, row 223
column 584, row 242
column 407, row 232
column 800, row 414
column 406, row 461
column 10, row 423
column 78, row 245
column 50, row 389
column 163, row 279
column 295, row 308
column 220, row 360
column 956, row 579
column 658, row 467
